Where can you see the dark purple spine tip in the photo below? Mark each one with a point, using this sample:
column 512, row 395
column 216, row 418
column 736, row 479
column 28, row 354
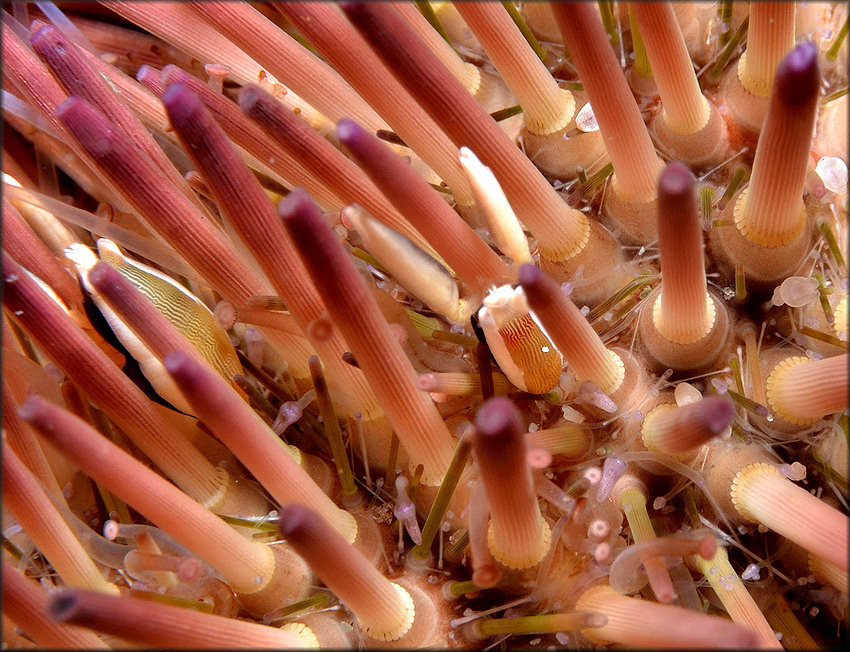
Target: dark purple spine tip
column 45, row 36
column 295, row 205
column 72, row 104
column 798, row 78
column 99, row 275
column 145, row 70
column 63, row 606
column 30, row 408
column 721, row 412
column 249, row 97
column 352, row 8
column 176, row 363
column 180, row 102
column 295, row 521
column 675, row 180
column 530, row 275
column 497, row 418
column 349, row 132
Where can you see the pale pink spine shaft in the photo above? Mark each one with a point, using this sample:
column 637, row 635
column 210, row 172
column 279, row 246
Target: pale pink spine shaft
column 684, row 314
column 546, row 108
column 500, row 451
column 353, row 310
column 685, row 108
column 643, row 623
column 380, row 607
column 770, row 37
column 636, row 166
column 164, row 626
column 772, row 210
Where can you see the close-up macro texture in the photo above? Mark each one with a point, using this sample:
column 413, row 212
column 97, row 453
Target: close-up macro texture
column 478, row 325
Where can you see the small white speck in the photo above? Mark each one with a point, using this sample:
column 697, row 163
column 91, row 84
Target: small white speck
column 586, row 120
column 833, row 172
column 751, row 572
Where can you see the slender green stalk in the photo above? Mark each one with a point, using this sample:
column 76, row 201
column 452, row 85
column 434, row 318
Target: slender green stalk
column 458, row 589
column 831, row 242
column 332, row 431
column 267, row 525
column 538, row 624
column 414, row 481
column 834, row 96
column 724, row 12
column 507, row 112
column 641, row 60
column 392, row 461
column 735, row 365
column 730, row 48
column 11, row 548
column 593, row 182
column 456, row 549
column 502, row 114
column 832, row 52
column 748, row 404
column 427, row 10
column 737, row 432
column 255, row 397
column 444, row 495
column 632, row 286
column 738, row 177
column 197, row 605
column 740, row 283
column 823, row 337
column 606, row 8
column 581, row 175
column 823, row 295
column 318, row 599
column 425, row 326
column 485, row 370
column 706, row 204
column 526, row 32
